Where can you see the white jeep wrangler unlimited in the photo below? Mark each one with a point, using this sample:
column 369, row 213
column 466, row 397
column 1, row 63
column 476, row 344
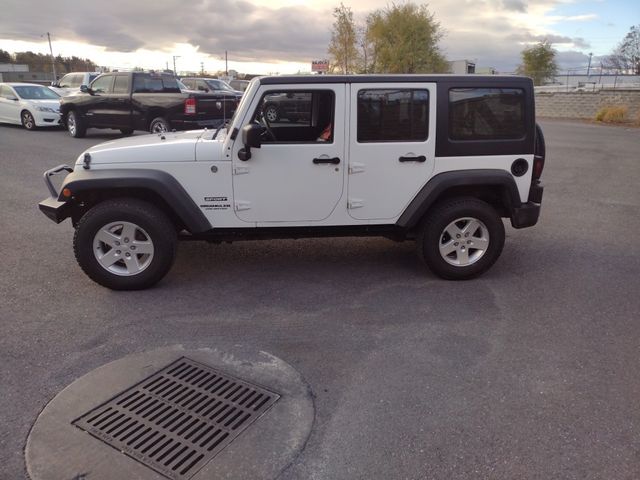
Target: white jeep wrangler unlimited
column 438, row 159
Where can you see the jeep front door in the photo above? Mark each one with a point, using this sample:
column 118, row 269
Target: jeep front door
column 297, row 174
column 391, row 147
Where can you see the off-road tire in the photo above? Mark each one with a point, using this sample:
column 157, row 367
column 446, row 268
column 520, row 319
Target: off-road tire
column 153, row 221
column 434, row 225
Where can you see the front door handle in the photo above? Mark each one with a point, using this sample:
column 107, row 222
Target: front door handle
column 420, row 158
column 334, row 160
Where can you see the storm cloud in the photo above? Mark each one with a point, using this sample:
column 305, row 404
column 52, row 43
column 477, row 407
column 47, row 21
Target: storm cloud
column 254, row 33
column 491, row 32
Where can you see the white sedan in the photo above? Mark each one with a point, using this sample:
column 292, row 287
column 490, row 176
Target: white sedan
column 29, row 105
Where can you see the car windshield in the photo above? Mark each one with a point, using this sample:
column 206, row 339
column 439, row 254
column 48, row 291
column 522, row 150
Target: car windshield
column 34, row 92
column 92, row 77
column 219, row 85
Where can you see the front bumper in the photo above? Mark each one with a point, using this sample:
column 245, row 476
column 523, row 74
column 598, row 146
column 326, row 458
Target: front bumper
column 46, row 119
column 54, row 208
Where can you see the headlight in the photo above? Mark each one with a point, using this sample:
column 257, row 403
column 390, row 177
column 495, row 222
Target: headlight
column 46, row 109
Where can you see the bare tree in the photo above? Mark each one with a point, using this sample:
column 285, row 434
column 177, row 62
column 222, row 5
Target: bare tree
column 343, row 46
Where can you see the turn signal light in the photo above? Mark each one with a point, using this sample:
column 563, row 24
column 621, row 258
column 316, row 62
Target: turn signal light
column 66, row 192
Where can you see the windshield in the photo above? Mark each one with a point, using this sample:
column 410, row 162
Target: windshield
column 182, row 85
column 33, row 92
column 92, row 77
column 219, row 85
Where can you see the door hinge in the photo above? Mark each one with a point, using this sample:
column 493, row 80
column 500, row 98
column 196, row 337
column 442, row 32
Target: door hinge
column 355, row 203
column 356, row 167
column 240, row 170
column 240, row 205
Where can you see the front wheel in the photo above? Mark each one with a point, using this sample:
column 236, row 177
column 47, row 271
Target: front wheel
column 461, row 238
column 125, row 244
column 27, row 120
column 76, row 125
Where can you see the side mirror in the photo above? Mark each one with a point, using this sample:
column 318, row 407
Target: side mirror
column 15, row 99
column 250, row 138
column 86, row 89
column 251, row 135
column 55, row 84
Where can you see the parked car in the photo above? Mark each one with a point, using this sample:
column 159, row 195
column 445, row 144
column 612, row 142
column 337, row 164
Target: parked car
column 29, row 104
column 209, row 85
column 142, row 101
column 72, row 82
column 376, row 158
column 293, row 107
column 240, row 85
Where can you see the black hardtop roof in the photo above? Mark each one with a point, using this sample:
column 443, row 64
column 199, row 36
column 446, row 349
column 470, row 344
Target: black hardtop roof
column 470, row 79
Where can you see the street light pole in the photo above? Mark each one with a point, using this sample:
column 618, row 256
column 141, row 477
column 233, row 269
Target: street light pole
column 53, row 63
column 174, row 64
column 589, row 67
column 226, row 64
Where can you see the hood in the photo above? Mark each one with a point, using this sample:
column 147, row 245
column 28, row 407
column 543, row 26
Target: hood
column 50, row 103
column 165, row 147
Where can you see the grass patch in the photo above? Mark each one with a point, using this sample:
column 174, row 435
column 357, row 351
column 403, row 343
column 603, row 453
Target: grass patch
column 612, row 114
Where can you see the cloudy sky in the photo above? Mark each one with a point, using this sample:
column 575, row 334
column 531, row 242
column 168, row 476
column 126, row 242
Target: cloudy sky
column 283, row 36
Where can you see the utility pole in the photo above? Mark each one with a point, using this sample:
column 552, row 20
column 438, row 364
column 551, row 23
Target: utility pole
column 226, row 64
column 589, row 67
column 202, row 68
column 53, row 63
column 174, row 64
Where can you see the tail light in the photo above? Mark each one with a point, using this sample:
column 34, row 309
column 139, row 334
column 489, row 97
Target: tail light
column 190, row 106
column 538, row 166
column 539, row 154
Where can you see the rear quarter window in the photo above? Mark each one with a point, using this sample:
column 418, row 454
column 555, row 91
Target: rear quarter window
column 486, row 113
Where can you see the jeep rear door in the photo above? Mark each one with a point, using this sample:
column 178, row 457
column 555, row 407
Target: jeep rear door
column 297, row 174
column 391, row 146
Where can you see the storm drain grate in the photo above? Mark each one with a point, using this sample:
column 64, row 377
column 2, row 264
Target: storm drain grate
column 178, row 419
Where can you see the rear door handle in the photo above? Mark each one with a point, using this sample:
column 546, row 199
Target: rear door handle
column 420, row 158
column 334, row 160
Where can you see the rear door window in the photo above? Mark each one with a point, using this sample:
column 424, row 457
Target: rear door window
column 393, row 115
column 486, row 113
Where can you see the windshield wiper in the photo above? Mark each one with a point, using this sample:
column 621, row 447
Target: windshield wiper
column 222, row 125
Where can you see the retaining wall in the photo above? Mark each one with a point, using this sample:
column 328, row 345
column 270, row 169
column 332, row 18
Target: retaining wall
column 586, row 104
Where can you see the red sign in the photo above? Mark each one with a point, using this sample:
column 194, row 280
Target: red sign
column 319, row 65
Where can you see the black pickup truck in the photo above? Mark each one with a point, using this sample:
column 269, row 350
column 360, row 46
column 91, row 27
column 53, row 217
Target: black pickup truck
column 143, row 101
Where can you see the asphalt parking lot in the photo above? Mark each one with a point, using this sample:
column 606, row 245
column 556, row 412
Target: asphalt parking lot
column 531, row 371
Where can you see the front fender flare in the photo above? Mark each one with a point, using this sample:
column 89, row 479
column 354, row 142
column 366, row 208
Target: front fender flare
column 157, row 181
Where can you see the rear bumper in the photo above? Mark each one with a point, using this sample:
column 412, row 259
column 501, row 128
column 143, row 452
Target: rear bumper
column 526, row 215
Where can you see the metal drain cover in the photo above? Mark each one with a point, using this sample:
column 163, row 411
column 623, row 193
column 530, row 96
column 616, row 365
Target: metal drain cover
column 178, row 419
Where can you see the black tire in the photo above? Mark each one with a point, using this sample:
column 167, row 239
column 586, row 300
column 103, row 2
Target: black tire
column 126, row 131
column 159, row 125
column 150, row 221
column 27, row 119
column 76, row 124
column 271, row 113
column 432, row 236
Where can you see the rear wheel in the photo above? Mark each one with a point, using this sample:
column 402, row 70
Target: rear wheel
column 76, row 125
column 159, row 125
column 461, row 238
column 125, row 244
column 27, row 120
